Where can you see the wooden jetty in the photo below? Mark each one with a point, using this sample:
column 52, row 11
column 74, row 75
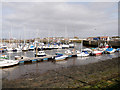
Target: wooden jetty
column 37, row 59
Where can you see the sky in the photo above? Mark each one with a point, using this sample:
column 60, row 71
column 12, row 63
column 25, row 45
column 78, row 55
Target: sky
column 59, row 19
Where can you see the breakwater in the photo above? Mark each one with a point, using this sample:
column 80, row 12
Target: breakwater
column 95, row 43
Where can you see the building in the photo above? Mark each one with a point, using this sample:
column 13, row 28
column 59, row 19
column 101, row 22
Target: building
column 105, row 38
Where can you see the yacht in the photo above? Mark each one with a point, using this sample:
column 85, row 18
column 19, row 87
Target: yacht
column 40, row 54
column 8, row 63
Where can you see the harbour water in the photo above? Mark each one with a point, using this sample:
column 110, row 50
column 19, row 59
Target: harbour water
column 22, row 70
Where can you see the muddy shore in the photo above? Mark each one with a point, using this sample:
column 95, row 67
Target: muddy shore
column 95, row 75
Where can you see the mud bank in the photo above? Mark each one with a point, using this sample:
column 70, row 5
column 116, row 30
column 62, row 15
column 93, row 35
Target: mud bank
column 84, row 76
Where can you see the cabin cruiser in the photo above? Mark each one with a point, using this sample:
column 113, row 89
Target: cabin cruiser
column 40, row 54
column 60, row 56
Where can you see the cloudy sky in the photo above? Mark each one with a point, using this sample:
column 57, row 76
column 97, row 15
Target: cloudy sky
column 59, row 19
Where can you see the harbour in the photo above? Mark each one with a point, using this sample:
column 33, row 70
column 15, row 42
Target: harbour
column 59, row 45
column 42, row 64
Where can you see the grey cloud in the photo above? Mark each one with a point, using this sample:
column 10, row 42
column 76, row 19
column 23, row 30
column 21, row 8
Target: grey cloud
column 52, row 18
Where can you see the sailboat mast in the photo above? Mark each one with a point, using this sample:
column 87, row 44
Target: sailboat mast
column 81, row 44
column 1, row 37
column 24, row 35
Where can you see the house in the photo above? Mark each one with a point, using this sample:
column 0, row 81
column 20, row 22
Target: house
column 93, row 38
column 106, row 38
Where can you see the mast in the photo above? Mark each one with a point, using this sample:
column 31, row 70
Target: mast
column 24, row 35
column 9, row 44
column 1, row 37
column 81, row 44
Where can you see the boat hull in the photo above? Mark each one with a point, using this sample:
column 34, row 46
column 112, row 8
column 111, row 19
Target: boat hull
column 6, row 64
column 39, row 55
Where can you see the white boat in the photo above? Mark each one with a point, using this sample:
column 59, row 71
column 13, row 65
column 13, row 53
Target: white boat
column 96, row 52
column 9, row 49
column 25, row 48
column 55, row 46
column 82, row 54
column 31, row 47
column 7, row 63
column 18, row 49
column 71, row 45
column 88, row 50
column 68, row 52
column 60, row 57
column 65, row 46
column 40, row 54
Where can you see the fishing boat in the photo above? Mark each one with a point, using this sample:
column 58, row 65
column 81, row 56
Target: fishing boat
column 40, row 54
column 8, row 63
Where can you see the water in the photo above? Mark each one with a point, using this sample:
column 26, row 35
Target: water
column 40, row 67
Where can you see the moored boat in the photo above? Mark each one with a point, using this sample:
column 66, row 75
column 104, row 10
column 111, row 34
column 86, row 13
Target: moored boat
column 110, row 50
column 8, row 63
column 96, row 52
column 82, row 53
column 40, row 54
column 60, row 57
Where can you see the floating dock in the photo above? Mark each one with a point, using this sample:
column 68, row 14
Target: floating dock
column 37, row 59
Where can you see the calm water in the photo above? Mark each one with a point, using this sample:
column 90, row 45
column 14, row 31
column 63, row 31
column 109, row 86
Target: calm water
column 41, row 67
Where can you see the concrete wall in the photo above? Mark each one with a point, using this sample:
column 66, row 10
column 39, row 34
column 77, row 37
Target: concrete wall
column 114, row 44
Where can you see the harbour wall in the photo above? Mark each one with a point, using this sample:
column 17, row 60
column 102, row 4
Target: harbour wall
column 95, row 43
